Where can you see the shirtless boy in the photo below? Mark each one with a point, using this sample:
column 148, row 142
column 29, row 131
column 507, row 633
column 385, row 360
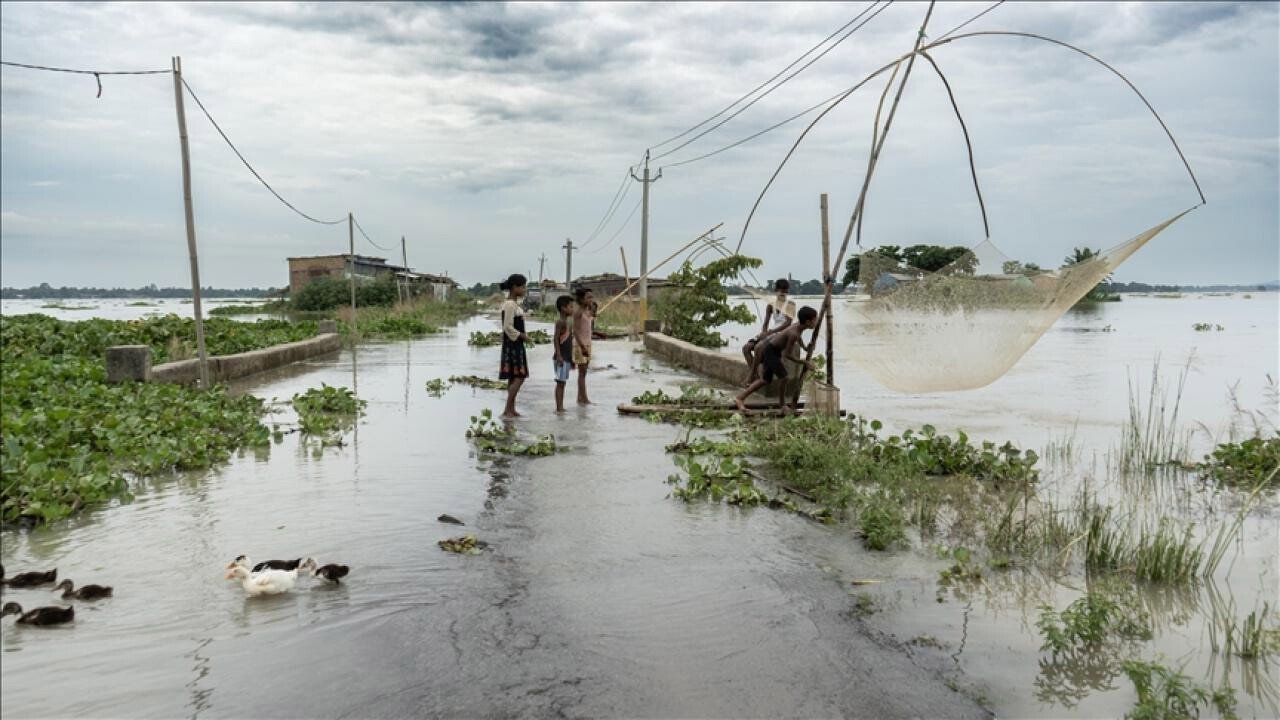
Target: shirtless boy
column 776, row 347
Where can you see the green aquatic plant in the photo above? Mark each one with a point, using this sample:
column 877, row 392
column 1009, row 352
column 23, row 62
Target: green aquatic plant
column 881, row 522
column 1166, row 694
column 1205, row 327
column 719, row 479
column 476, row 381
column 1087, row 623
column 490, row 339
column 1244, row 463
column 71, row 440
column 489, row 435
column 698, row 303
column 437, row 386
column 325, row 412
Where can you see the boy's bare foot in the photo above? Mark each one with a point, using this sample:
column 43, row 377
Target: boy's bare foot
column 582, row 401
column 787, row 410
column 559, row 411
column 742, row 407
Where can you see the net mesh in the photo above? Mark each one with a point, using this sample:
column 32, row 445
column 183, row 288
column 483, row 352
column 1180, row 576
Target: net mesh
column 967, row 324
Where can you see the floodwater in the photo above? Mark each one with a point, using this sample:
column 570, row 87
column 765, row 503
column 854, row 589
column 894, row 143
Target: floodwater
column 120, row 308
column 600, row 595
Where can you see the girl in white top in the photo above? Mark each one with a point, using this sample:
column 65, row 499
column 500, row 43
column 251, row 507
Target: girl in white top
column 778, row 316
column 514, row 365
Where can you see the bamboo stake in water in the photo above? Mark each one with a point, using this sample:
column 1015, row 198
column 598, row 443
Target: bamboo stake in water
column 626, row 278
column 205, row 381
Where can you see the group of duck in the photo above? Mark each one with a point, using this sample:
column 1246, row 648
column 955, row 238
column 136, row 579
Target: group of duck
column 272, row 577
column 52, row 614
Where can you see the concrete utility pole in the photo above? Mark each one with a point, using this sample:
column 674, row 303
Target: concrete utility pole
column 404, row 260
column 205, row 383
column 568, row 262
column 644, row 236
column 542, row 261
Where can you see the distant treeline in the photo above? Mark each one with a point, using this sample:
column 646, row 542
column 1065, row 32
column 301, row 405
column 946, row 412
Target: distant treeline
column 1137, row 287
column 45, row 291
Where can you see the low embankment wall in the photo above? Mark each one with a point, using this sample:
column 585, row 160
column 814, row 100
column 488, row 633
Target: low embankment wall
column 132, row 363
column 726, row 367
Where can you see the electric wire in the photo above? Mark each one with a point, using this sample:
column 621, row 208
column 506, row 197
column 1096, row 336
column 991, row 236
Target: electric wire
column 765, row 83
column 617, row 232
column 608, row 217
column 780, row 83
column 366, row 236
column 250, row 167
column 966, row 23
column 802, row 113
column 610, row 210
column 84, row 72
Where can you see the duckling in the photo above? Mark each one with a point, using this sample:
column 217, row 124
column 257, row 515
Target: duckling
column 86, row 592
column 29, row 579
column 331, row 572
column 40, row 616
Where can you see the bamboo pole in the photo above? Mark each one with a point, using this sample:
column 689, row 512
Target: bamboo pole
column 829, row 279
column 626, row 278
column 670, row 257
column 189, row 211
column 825, row 313
column 351, row 244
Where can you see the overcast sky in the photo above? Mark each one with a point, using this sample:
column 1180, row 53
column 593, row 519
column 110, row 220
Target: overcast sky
column 487, row 134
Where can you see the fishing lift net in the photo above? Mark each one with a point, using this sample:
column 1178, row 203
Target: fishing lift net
column 964, row 326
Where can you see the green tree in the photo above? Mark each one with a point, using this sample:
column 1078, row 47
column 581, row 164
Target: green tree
column 1096, row 293
column 853, row 265
column 700, row 301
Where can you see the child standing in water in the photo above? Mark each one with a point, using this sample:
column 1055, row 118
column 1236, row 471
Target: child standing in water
column 583, row 323
column 563, row 358
column 514, row 365
column 776, row 347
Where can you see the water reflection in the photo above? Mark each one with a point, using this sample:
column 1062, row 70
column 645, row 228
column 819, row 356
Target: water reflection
column 200, row 696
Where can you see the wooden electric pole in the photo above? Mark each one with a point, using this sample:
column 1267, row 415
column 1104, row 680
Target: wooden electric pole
column 644, row 236
column 351, row 246
column 176, row 63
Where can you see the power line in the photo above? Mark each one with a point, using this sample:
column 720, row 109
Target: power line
column 85, row 72
column 247, row 165
column 763, row 84
column 617, row 232
column 97, row 74
column 811, row 108
column 366, row 236
column 618, row 196
column 782, row 82
column 962, row 25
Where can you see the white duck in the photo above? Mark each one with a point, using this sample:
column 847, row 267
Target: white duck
column 268, row 582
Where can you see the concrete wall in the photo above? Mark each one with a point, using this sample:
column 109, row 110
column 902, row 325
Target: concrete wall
column 228, row 367
column 726, row 366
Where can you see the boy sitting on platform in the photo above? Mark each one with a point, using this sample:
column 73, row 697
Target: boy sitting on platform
column 776, row 347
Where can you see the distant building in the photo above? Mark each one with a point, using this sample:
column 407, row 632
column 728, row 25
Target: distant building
column 303, row 270
column 607, row 285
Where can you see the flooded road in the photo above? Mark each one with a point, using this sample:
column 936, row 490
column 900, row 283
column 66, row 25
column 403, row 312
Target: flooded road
column 600, row 595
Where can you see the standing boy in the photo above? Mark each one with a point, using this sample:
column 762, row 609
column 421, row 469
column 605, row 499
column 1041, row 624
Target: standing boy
column 776, row 347
column 778, row 315
column 583, row 322
column 563, row 359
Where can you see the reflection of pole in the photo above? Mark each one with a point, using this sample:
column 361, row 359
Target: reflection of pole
column 191, row 223
column 404, row 260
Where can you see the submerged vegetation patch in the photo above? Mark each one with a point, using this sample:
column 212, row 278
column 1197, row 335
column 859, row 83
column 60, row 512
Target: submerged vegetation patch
column 72, row 440
column 326, row 412
column 491, row 436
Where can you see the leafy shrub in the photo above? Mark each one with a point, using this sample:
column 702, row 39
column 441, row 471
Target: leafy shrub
column 699, row 302
column 1087, row 623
